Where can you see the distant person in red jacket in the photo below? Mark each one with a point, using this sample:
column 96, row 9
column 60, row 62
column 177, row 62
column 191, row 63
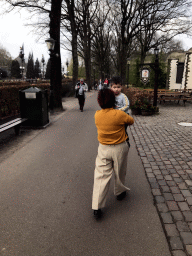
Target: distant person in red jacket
column 106, row 83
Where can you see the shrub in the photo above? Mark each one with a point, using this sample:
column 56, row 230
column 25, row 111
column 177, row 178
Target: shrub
column 9, row 98
column 67, row 87
column 136, row 94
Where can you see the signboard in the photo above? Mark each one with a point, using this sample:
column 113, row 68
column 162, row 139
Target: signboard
column 30, row 95
column 145, row 75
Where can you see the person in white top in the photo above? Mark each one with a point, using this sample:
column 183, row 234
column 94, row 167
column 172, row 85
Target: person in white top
column 81, row 95
column 100, row 85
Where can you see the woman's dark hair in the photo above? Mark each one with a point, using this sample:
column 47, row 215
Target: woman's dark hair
column 106, row 98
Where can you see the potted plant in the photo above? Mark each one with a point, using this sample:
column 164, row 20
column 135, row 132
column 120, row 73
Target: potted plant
column 156, row 109
column 147, row 109
column 136, row 108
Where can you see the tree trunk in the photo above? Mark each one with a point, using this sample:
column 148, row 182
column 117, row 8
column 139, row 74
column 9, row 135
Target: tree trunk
column 88, row 71
column 55, row 19
column 123, row 63
column 144, row 50
column 87, row 58
column 75, row 58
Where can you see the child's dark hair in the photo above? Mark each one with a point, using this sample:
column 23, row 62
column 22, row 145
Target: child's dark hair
column 116, row 80
column 106, row 98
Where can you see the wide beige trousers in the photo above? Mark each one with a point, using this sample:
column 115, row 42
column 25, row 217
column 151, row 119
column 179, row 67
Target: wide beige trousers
column 110, row 158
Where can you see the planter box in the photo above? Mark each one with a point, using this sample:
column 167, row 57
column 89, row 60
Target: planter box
column 146, row 113
column 136, row 111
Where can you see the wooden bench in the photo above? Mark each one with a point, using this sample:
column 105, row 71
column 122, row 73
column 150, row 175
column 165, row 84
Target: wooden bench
column 16, row 123
column 174, row 97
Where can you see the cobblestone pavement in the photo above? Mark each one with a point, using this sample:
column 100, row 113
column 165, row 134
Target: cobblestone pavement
column 165, row 149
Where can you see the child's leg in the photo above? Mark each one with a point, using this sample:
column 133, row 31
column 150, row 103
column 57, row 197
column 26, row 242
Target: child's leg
column 127, row 140
column 102, row 177
column 120, row 157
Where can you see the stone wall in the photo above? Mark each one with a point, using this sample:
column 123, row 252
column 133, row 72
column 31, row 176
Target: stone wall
column 185, row 57
column 173, row 74
column 188, row 81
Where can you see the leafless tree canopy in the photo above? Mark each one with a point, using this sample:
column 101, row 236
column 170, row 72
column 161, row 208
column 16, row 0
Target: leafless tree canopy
column 5, row 57
column 106, row 33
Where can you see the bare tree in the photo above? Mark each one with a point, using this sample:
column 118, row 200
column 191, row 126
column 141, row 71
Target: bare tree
column 143, row 23
column 70, row 23
column 5, row 58
column 172, row 45
column 128, row 15
column 51, row 9
column 87, row 14
column 77, row 22
column 165, row 20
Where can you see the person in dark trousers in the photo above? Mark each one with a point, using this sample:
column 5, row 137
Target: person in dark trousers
column 81, row 95
column 95, row 86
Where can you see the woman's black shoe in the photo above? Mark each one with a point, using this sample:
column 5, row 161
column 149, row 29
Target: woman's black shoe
column 121, row 196
column 97, row 214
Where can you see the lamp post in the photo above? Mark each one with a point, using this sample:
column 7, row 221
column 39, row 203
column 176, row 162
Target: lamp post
column 67, row 64
column 156, row 68
column 43, row 62
column 51, row 45
column 21, row 55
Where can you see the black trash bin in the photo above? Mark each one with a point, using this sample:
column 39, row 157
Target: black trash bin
column 34, row 106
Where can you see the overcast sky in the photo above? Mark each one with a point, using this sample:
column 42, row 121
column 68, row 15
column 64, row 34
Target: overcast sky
column 13, row 34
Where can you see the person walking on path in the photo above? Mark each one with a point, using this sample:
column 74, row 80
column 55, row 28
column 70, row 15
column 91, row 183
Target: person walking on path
column 112, row 150
column 81, row 95
column 100, row 85
column 106, row 83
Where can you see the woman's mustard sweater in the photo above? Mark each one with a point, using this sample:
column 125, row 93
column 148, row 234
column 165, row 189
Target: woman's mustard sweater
column 110, row 125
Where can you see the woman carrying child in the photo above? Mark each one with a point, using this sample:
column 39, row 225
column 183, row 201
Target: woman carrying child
column 112, row 151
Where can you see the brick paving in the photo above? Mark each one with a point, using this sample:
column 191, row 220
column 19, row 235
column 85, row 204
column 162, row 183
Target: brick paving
column 165, row 149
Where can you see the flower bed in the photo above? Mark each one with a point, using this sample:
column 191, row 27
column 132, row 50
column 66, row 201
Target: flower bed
column 140, row 101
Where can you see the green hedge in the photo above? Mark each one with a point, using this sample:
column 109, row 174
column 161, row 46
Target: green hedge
column 9, row 98
column 9, row 94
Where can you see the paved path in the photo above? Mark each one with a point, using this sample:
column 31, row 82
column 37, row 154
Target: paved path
column 46, row 187
column 165, row 149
